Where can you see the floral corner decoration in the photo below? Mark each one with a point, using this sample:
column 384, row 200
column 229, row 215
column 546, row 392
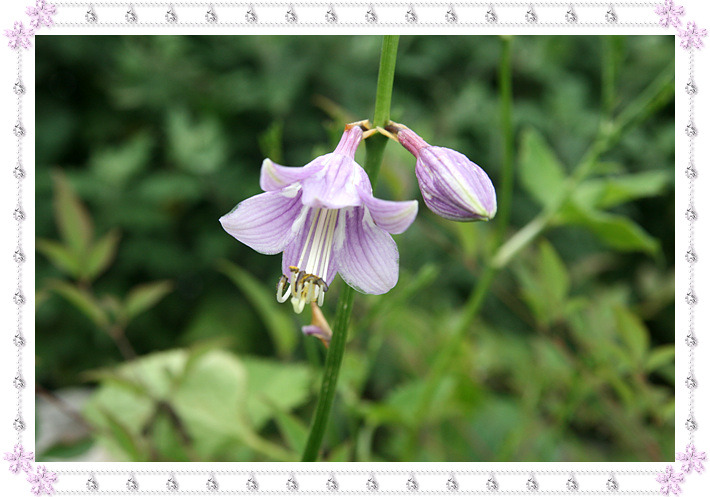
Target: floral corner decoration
column 42, row 479
column 40, row 15
column 669, row 15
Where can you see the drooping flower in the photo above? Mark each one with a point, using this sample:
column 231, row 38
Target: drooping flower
column 42, row 481
column 692, row 459
column 325, row 220
column 669, row 13
column 452, row 186
column 692, row 36
column 41, row 14
column 670, row 481
column 19, row 459
column 19, row 36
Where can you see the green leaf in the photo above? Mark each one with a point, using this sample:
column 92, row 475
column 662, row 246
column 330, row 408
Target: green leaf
column 60, row 256
column 72, row 217
column 281, row 328
column 633, row 332
column 101, row 255
column 553, row 273
column 610, row 191
column 143, row 297
column 83, row 301
column 117, row 165
column 541, row 173
column 293, row 430
column 271, row 142
column 616, row 231
column 198, row 145
column 660, row 357
column 123, row 437
column 66, row 450
column 275, row 387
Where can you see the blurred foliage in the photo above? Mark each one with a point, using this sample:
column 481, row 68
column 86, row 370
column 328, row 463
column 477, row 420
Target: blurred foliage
column 143, row 142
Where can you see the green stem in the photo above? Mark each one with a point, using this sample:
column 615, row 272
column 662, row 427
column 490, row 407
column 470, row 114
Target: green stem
column 505, row 190
column 375, row 145
column 373, row 161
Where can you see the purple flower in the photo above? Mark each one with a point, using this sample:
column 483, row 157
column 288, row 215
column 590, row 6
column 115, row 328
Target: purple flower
column 42, row 481
column 692, row 460
column 19, row 459
column 692, row 36
column 325, row 220
column 19, row 36
column 669, row 13
column 452, row 186
column 41, row 14
column 670, row 481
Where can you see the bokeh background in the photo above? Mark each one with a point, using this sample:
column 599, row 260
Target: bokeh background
column 159, row 337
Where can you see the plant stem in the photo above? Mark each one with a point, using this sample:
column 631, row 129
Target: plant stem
column 375, row 151
column 375, row 145
column 505, row 78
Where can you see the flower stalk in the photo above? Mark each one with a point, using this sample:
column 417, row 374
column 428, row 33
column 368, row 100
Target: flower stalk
column 375, row 145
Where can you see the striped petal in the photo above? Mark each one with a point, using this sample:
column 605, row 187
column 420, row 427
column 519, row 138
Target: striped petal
column 274, row 177
column 366, row 254
column 267, row 222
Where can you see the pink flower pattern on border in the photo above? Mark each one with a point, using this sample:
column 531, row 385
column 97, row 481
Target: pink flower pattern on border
column 19, row 36
column 669, row 13
column 42, row 481
column 20, row 460
column 670, row 481
column 692, row 36
column 41, row 14
column 692, row 459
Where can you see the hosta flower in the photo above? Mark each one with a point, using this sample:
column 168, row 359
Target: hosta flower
column 452, row 186
column 325, row 220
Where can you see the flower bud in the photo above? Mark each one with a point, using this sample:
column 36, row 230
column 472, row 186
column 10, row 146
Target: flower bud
column 452, row 186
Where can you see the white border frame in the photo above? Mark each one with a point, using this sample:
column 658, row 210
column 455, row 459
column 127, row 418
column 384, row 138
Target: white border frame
column 392, row 478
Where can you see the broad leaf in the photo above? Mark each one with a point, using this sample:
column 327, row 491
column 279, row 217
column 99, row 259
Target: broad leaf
column 616, row 231
column 541, row 173
column 610, row 191
column 83, row 301
column 633, row 332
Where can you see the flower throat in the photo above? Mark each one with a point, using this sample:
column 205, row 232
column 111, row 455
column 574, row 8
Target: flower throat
column 307, row 282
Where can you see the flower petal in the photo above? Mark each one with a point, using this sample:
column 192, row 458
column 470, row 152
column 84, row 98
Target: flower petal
column 267, row 222
column 335, row 185
column 274, row 177
column 392, row 216
column 366, row 254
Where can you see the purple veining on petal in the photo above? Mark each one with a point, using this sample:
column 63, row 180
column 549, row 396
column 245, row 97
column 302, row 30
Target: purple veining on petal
column 19, row 36
column 692, row 36
column 304, row 214
column 41, row 14
column 452, row 186
column 691, row 459
column 669, row 13
column 19, row 459
column 670, row 481
column 367, row 256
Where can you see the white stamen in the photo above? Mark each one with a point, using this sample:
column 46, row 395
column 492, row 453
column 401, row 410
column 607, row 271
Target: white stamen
column 308, row 283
